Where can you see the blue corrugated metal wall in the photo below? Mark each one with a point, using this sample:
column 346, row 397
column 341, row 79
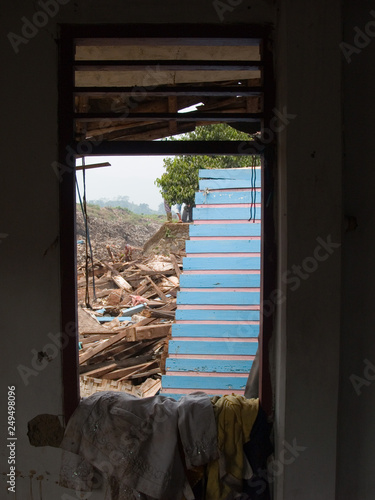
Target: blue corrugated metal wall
column 214, row 338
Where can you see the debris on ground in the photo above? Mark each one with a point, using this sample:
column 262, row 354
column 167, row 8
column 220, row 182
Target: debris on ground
column 127, row 305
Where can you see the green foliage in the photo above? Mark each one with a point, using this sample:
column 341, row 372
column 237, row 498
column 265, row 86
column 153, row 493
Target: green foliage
column 179, row 183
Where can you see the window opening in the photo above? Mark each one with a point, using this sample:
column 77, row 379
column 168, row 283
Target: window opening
column 114, row 113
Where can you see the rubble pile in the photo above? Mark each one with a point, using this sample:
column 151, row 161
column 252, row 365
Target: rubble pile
column 112, row 226
column 126, row 308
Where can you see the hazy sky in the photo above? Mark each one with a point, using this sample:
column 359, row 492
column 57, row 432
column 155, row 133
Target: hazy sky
column 131, row 176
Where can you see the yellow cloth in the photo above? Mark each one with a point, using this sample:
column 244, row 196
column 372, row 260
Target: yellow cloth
column 235, row 417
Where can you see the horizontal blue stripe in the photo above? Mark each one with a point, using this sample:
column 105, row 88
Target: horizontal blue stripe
column 227, row 184
column 213, row 197
column 177, row 397
column 211, row 315
column 228, row 173
column 245, row 229
column 213, row 263
column 234, row 213
column 234, row 331
column 222, row 246
column 215, row 347
column 219, row 298
column 208, row 365
column 218, row 383
column 219, row 280
column 133, row 310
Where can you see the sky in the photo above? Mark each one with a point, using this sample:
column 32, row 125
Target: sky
column 131, row 176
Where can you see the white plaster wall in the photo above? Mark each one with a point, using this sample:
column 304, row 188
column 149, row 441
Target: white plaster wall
column 29, row 260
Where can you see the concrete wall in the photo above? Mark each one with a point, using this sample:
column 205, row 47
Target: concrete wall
column 317, row 407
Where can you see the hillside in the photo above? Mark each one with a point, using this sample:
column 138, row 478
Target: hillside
column 116, row 227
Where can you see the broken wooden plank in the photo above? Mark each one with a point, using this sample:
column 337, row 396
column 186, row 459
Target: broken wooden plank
column 126, row 373
column 100, row 372
column 175, row 265
column 122, row 283
column 157, row 313
column 104, row 345
column 161, row 294
column 141, row 374
column 148, row 332
column 151, row 390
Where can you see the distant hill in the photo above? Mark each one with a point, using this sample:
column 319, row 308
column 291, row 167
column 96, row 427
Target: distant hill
column 115, row 227
column 123, row 202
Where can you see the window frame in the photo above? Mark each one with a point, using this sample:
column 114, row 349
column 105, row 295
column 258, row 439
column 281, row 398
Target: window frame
column 68, row 150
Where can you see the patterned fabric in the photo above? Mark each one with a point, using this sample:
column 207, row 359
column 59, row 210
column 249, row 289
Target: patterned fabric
column 134, row 442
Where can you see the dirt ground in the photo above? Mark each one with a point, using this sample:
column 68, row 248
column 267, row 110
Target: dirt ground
column 152, row 236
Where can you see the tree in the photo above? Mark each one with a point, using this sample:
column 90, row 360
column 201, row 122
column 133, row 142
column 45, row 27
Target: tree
column 180, row 181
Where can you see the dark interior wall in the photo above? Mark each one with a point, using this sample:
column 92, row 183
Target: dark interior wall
column 29, row 253
column 309, row 277
column 356, row 466
column 329, row 314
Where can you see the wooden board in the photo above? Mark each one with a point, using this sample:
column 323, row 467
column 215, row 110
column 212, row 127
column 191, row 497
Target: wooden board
column 148, row 332
column 233, row 331
column 221, row 263
column 222, row 246
column 233, row 213
column 160, row 293
column 226, row 197
column 175, row 265
column 201, row 280
column 228, row 183
column 209, row 365
column 242, row 229
column 226, row 384
column 216, row 315
column 218, row 298
column 243, row 173
column 122, row 283
column 212, row 348
column 102, row 346
column 124, row 373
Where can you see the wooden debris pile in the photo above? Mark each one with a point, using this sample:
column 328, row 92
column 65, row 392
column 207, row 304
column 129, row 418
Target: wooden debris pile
column 124, row 328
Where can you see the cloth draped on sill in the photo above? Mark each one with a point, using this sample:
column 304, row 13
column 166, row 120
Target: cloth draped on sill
column 135, row 442
column 235, row 416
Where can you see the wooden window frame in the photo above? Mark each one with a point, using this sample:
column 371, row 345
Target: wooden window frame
column 68, row 35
